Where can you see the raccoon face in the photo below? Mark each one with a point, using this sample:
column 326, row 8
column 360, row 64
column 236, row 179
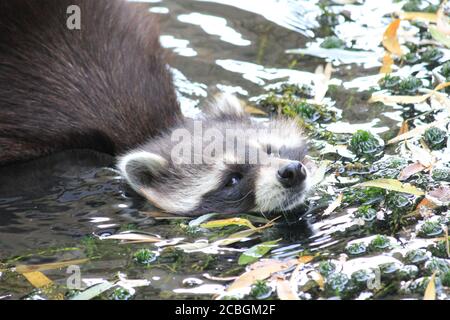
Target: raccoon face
column 225, row 163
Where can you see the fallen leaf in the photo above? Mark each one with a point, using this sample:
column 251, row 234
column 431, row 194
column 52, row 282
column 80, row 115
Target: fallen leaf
column 48, row 266
column 440, row 196
column 227, row 222
column 193, row 246
column 426, row 203
column 416, row 131
column 318, row 278
column 386, row 99
column 427, row 16
column 37, row 279
column 430, row 291
column 387, row 63
column 239, row 236
column 305, row 259
column 249, row 277
column 256, row 252
column 394, row 185
column 285, row 290
column 321, row 82
column 440, row 37
column 334, row 205
column 390, row 39
column 421, row 155
column 136, row 237
column 404, row 128
column 442, row 20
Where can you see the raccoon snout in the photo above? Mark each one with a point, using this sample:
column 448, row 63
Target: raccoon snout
column 291, row 175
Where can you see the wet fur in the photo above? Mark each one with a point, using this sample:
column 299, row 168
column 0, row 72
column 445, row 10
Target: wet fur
column 105, row 87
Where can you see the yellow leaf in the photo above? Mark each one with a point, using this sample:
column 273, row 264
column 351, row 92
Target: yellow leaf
column 285, row 290
column 394, row 185
column 427, row 16
column 334, row 205
column 386, row 99
column 48, row 266
column 417, row 131
column 387, row 63
column 390, row 39
column 430, row 291
column 377, row 97
column 404, row 128
column 227, row 222
column 37, row 279
column 305, row 259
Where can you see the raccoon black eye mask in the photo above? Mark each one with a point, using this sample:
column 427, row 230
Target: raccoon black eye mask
column 229, row 182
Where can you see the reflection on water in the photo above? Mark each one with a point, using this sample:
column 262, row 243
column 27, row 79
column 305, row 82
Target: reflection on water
column 236, row 46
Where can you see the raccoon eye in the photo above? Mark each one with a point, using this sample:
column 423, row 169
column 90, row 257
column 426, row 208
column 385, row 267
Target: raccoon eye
column 234, row 180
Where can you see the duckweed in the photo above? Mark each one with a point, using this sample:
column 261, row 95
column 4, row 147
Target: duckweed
column 365, row 144
column 435, row 138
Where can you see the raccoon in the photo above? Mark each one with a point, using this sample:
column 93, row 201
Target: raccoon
column 107, row 87
column 227, row 179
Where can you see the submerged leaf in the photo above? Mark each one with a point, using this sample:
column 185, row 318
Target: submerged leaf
column 256, row 252
column 227, row 222
column 394, row 185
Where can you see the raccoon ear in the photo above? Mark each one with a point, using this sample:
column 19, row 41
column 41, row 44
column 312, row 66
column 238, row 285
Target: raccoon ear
column 225, row 106
column 140, row 167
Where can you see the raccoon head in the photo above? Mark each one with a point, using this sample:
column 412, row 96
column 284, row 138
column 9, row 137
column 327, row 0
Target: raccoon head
column 225, row 162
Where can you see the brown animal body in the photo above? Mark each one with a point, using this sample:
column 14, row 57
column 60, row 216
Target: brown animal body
column 105, row 87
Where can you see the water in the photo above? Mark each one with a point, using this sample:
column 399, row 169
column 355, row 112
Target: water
column 49, row 206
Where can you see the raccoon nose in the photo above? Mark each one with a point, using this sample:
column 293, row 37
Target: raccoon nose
column 292, row 174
